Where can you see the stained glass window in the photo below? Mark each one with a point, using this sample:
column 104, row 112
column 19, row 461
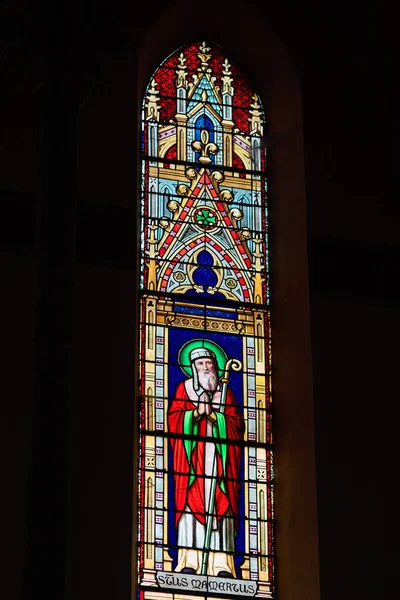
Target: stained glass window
column 206, row 508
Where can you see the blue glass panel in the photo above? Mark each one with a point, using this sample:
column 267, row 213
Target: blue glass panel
column 233, row 347
column 194, row 310
column 204, row 122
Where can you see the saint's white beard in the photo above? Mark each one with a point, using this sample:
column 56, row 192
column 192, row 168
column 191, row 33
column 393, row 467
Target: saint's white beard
column 208, row 381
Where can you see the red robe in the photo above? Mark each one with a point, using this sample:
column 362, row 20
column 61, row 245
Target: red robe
column 189, row 478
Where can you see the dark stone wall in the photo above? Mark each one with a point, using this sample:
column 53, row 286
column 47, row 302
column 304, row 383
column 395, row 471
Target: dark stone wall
column 344, row 60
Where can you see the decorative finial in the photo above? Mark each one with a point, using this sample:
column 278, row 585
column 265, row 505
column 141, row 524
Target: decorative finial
column 204, row 55
column 256, row 116
column 152, row 241
column 181, row 80
column 152, row 108
column 152, row 253
column 258, row 268
column 226, row 78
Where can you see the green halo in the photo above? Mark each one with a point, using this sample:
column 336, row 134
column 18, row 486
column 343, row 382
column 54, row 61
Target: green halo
column 183, row 355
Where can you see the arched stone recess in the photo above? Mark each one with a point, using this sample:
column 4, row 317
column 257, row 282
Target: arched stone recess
column 265, row 59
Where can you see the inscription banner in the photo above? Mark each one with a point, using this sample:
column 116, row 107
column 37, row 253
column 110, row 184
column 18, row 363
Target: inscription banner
column 205, row 584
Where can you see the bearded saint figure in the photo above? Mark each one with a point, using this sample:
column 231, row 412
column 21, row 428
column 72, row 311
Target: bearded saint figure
column 195, row 416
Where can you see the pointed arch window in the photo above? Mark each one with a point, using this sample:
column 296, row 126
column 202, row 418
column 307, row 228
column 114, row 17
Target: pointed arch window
column 206, row 510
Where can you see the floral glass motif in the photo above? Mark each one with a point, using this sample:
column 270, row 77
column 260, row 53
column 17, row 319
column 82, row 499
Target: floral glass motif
column 205, row 218
column 206, row 509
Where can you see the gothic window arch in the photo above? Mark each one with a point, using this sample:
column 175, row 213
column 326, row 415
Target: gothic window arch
column 206, row 492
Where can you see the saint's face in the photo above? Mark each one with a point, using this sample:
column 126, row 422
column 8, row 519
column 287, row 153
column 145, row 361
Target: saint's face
column 204, row 365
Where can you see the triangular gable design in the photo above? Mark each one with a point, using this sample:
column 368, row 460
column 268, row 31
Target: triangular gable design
column 204, row 183
column 205, row 85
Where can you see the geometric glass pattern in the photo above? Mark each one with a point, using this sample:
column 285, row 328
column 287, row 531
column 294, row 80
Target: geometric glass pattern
column 206, row 510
